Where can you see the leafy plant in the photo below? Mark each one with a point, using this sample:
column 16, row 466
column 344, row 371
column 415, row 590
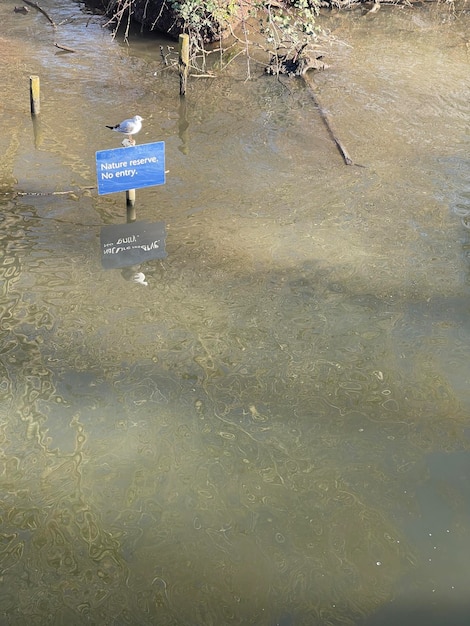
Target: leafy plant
column 275, row 26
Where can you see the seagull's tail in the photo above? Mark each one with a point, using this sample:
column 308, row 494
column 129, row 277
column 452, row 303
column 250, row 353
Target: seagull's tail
column 111, row 127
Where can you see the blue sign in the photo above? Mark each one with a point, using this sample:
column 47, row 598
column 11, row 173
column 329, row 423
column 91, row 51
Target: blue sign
column 130, row 168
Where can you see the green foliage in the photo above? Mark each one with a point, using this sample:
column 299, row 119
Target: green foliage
column 289, row 25
column 282, row 26
column 200, row 17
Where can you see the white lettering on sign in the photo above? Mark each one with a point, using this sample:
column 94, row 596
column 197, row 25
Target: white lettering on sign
column 143, row 161
column 130, row 173
column 122, row 168
column 113, row 166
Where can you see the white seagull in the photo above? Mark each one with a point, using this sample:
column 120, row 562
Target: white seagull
column 129, row 127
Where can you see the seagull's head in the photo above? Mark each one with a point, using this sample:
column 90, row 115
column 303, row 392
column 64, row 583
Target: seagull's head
column 137, row 118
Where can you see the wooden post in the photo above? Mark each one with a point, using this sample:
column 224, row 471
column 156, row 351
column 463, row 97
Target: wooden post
column 34, row 93
column 183, row 62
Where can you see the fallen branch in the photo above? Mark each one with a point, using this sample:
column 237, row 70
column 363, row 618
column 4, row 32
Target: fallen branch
column 35, row 5
column 328, row 123
column 164, row 59
column 52, row 193
column 202, row 75
column 64, row 48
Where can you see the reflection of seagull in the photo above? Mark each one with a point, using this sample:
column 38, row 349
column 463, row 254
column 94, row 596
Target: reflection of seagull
column 130, row 273
column 128, row 127
column 139, row 277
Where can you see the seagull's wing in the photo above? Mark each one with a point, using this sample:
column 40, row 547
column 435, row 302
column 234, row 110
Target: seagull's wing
column 127, row 126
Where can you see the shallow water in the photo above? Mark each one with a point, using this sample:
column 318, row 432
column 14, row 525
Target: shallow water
column 275, row 429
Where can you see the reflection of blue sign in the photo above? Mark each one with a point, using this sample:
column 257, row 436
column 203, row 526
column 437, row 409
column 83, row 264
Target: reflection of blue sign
column 123, row 245
column 130, row 168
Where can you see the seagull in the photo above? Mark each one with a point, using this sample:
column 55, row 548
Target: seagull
column 129, row 127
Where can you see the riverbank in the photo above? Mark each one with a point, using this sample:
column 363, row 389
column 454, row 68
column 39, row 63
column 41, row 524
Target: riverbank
column 175, row 18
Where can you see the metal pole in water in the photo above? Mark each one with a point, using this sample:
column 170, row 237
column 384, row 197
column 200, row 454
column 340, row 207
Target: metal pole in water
column 130, row 205
column 183, row 62
column 34, row 93
column 130, row 195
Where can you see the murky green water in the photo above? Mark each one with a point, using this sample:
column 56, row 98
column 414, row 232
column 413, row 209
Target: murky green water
column 275, row 429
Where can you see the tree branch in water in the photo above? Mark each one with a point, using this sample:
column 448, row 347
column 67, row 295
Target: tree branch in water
column 35, row 5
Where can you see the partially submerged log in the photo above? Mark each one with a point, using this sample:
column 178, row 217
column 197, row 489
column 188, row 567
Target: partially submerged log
column 64, row 48
column 329, row 124
column 296, row 65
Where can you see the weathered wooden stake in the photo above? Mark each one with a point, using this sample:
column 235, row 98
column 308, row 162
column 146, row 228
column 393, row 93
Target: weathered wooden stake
column 34, row 94
column 183, row 62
